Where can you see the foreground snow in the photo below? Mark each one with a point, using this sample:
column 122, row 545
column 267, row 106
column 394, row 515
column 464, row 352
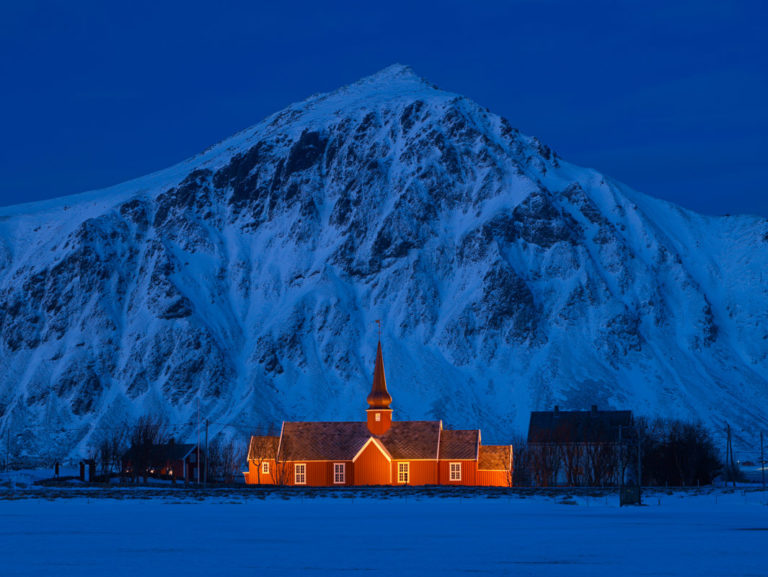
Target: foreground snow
column 718, row 533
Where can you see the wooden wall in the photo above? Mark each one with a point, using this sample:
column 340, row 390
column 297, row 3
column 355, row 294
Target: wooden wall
column 468, row 472
column 318, row 473
column 493, row 478
column 420, row 472
column 253, row 474
column 372, row 467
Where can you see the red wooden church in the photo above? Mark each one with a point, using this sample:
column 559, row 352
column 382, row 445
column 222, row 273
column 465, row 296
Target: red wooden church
column 379, row 451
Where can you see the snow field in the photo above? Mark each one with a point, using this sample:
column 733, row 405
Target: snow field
column 713, row 534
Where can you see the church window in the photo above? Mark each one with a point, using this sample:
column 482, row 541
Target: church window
column 402, row 472
column 300, row 474
column 339, row 473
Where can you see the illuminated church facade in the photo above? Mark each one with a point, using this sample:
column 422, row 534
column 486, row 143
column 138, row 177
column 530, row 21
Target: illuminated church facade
column 377, row 451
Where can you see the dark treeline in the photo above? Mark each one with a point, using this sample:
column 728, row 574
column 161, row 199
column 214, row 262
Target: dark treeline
column 677, row 453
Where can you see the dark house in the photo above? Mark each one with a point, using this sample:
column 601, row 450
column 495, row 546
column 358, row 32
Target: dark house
column 176, row 461
column 578, row 447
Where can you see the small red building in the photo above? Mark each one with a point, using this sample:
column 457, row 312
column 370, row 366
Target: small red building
column 378, row 451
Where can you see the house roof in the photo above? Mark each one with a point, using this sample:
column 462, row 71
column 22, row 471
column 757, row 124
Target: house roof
column 495, row 458
column 161, row 453
column 459, row 444
column 341, row 441
column 322, row 441
column 412, row 439
column 577, row 426
column 263, row 447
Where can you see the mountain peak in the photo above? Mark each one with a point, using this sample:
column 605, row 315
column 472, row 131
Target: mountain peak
column 393, row 72
column 390, row 82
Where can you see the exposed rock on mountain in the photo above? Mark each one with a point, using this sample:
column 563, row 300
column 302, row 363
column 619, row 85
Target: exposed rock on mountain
column 249, row 278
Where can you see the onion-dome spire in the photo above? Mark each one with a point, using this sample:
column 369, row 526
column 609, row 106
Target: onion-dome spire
column 379, row 398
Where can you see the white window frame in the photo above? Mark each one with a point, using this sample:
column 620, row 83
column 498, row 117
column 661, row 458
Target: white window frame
column 403, row 473
column 339, row 473
column 455, row 471
column 378, row 417
column 265, row 468
column 300, row 474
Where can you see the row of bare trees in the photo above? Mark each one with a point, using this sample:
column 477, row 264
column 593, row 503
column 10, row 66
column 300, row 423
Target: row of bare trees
column 225, row 459
column 672, row 453
column 574, row 464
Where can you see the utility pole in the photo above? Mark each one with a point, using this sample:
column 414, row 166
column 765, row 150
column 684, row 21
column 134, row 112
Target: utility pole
column 639, row 463
column 729, row 457
column 198, row 440
column 205, row 477
column 621, row 462
column 762, row 459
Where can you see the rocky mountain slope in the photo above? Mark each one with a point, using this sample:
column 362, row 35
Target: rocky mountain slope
column 248, row 278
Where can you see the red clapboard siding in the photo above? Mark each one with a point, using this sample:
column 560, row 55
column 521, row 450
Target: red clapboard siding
column 420, row 472
column 468, row 472
column 493, row 478
column 372, row 467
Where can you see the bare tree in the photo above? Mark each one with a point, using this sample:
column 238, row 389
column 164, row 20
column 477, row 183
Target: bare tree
column 601, row 463
column 110, row 449
column 262, row 448
column 148, row 432
column 544, row 459
column 282, row 468
column 521, row 472
column 234, row 454
column 225, row 458
column 677, row 453
column 215, row 460
column 573, row 463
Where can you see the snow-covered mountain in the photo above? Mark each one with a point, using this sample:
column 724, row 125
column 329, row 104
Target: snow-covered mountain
column 249, row 277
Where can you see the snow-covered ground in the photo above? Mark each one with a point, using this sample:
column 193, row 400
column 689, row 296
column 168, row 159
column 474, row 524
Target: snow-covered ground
column 712, row 533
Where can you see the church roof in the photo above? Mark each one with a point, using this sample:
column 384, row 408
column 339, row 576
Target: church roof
column 495, row 458
column 459, row 444
column 263, row 447
column 412, row 439
column 322, row 441
column 340, row 441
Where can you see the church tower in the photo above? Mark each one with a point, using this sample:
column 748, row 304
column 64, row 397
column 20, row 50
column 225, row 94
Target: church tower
column 379, row 413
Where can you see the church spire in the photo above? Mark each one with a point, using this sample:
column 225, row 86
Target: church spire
column 379, row 397
column 379, row 413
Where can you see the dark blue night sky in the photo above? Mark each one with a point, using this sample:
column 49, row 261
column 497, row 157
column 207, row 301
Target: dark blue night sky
column 668, row 97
